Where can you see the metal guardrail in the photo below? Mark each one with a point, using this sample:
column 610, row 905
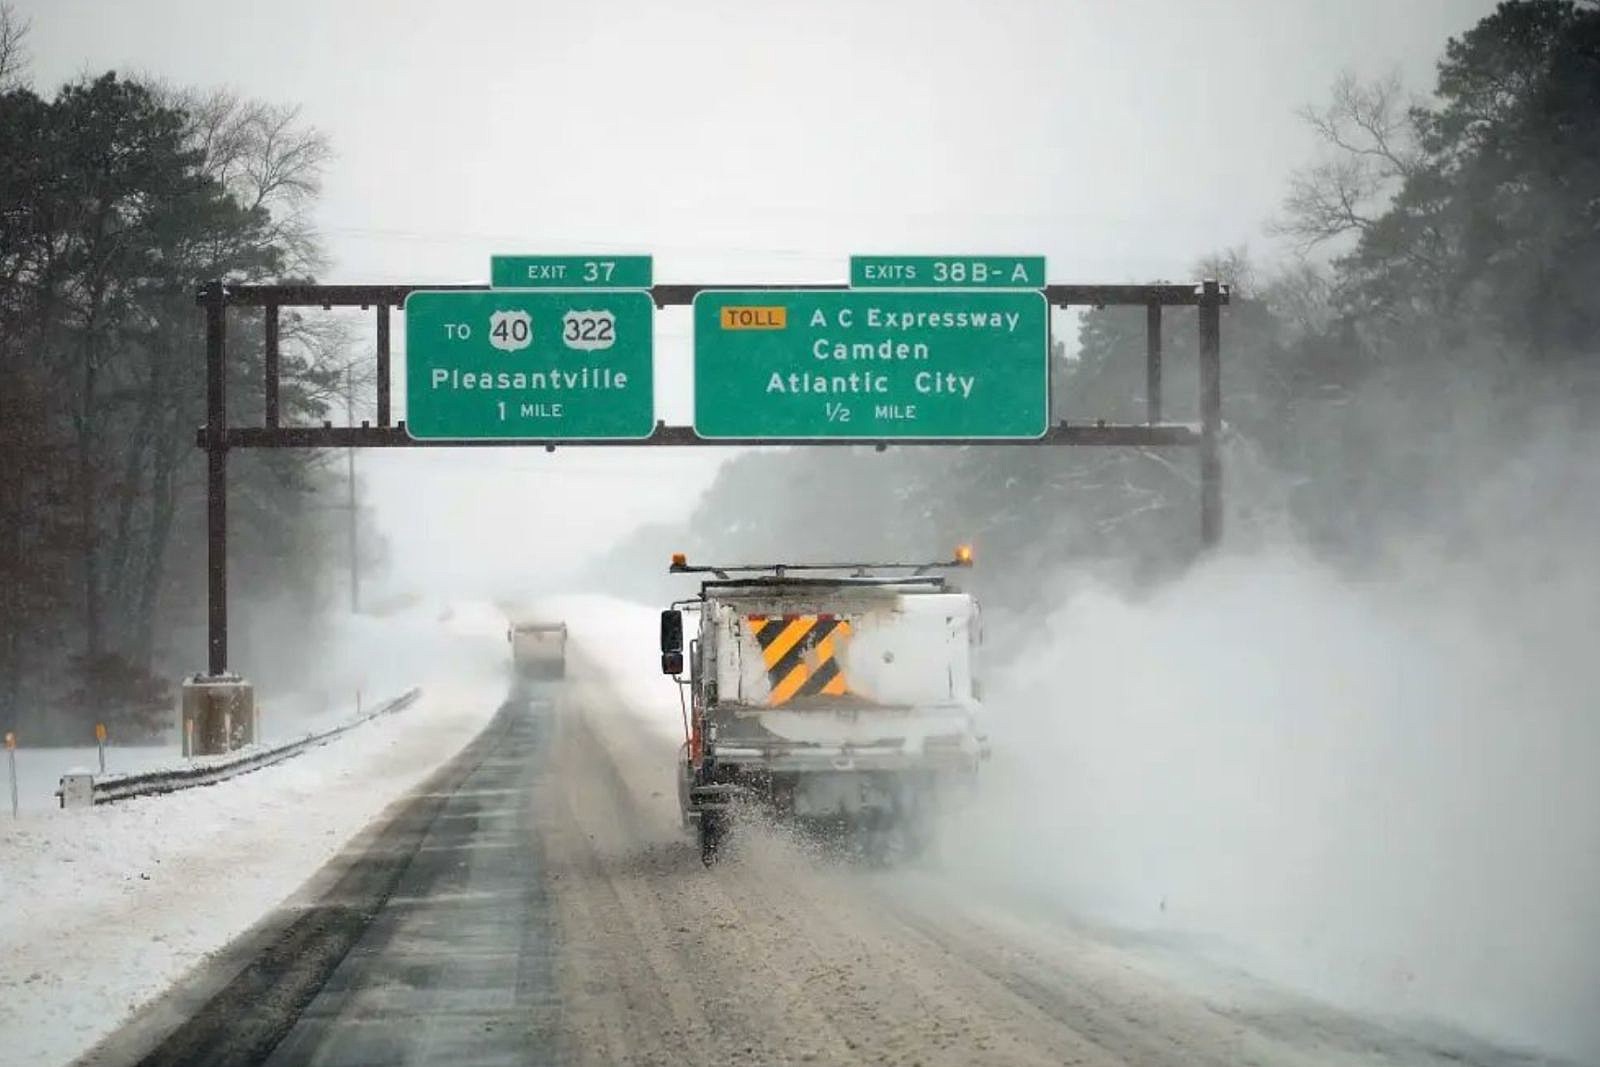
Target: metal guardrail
column 114, row 787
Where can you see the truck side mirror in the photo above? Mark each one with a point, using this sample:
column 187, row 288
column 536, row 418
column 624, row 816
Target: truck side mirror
column 672, row 642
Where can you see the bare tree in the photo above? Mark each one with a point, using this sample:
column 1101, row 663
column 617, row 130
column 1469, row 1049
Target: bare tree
column 1302, row 295
column 13, row 49
column 1370, row 145
column 1232, row 267
column 267, row 159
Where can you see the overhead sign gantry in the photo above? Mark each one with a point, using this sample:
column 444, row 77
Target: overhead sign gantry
column 933, row 350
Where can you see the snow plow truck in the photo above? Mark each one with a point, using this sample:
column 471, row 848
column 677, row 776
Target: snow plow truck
column 839, row 697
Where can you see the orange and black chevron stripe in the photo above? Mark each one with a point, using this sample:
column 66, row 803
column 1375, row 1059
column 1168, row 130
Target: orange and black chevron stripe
column 801, row 654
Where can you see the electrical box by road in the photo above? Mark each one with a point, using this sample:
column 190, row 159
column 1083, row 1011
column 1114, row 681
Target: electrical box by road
column 77, row 789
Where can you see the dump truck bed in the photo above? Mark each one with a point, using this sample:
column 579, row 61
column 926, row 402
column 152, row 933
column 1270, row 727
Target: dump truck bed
column 841, row 649
column 539, row 649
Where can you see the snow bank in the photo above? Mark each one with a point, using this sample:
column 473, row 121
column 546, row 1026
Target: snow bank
column 103, row 909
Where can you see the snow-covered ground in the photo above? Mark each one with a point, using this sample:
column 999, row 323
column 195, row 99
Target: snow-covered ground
column 101, row 910
column 368, row 660
column 39, row 770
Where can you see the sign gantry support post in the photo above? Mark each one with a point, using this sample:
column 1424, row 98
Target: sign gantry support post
column 1210, row 414
column 215, row 297
column 1152, row 362
column 217, row 437
column 270, row 364
column 383, row 364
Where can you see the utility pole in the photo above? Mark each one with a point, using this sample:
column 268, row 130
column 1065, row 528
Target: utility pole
column 350, row 453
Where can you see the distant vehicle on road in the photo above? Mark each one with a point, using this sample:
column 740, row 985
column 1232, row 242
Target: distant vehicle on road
column 539, row 649
column 840, row 697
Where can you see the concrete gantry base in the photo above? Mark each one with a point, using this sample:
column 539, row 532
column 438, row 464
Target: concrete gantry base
column 217, row 714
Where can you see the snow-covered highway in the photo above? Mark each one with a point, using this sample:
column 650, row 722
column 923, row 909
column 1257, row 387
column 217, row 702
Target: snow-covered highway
column 535, row 901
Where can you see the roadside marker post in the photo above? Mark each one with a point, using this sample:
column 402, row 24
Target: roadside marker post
column 11, row 758
column 100, row 743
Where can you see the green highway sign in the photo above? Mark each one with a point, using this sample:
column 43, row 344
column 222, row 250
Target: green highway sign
column 570, row 272
column 506, row 365
column 947, row 272
column 809, row 364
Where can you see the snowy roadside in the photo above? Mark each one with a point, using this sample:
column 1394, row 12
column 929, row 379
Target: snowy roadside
column 39, row 770
column 102, row 910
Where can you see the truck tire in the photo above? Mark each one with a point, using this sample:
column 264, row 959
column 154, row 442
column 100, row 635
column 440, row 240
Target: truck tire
column 918, row 837
column 711, row 834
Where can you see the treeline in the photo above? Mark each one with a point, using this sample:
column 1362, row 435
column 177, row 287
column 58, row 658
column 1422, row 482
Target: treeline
column 1440, row 311
column 1455, row 317
column 118, row 197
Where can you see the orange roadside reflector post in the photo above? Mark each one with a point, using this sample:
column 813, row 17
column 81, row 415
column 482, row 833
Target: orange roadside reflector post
column 11, row 758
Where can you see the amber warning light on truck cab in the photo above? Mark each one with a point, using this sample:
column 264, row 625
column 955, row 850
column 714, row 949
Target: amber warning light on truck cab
column 964, row 555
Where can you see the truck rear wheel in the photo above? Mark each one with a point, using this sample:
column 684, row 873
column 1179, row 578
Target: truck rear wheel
column 712, row 832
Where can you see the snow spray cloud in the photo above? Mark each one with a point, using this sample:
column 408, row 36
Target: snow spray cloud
column 1381, row 790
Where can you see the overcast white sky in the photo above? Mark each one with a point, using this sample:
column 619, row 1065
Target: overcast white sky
column 751, row 141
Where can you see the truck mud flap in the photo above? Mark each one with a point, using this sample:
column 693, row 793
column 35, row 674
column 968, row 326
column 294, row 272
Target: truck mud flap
column 711, row 798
